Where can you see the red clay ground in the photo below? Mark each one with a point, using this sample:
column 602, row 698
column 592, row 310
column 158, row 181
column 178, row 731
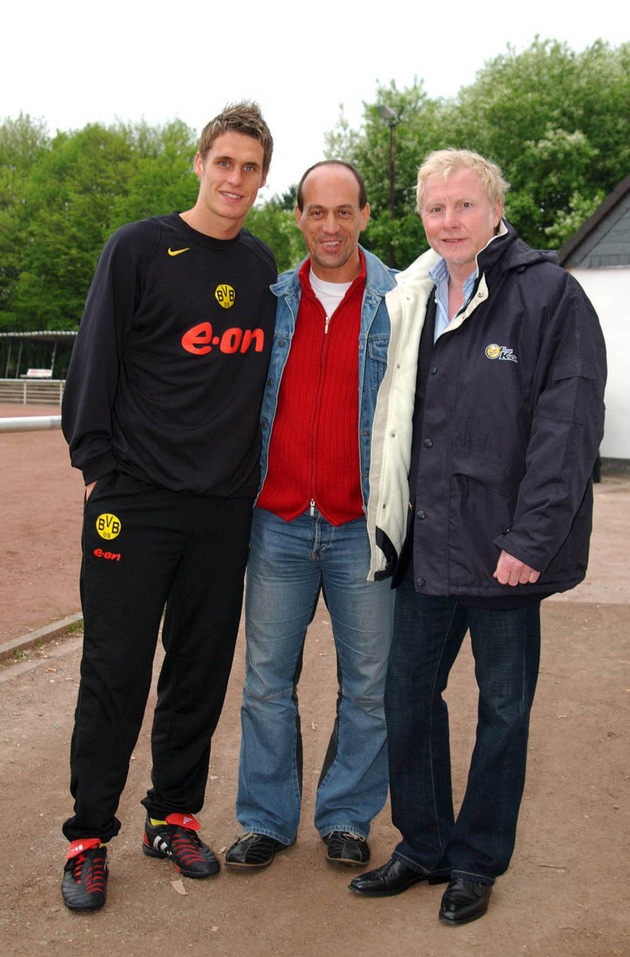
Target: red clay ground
column 40, row 548
column 565, row 895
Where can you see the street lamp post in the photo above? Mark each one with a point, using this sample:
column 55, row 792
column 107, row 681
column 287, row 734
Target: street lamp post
column 392, row 119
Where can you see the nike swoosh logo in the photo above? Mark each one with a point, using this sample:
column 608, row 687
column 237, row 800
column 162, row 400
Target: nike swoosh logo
column 178, row 252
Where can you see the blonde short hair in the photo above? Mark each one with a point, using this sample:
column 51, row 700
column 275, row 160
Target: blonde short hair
column 444, row 162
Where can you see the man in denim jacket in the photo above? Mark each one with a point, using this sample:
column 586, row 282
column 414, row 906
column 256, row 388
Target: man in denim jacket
column 310, row 533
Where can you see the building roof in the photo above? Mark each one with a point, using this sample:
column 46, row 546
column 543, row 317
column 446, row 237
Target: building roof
column 604, row 239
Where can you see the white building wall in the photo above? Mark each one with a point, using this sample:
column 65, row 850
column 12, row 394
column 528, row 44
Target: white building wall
column 609, row 291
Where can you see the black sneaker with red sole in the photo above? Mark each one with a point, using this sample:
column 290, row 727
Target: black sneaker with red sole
column 178, row 840
column 84, row 885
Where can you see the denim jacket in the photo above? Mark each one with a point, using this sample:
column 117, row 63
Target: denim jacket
column 372, row 355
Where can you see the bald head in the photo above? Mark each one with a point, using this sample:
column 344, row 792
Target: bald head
column 331, row 219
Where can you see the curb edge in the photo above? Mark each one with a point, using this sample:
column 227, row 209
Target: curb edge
column 53, row 630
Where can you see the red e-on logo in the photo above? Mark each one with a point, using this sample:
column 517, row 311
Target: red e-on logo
column 110, row 556
column 200, row 340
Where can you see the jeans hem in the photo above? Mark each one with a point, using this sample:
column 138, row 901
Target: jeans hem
column 347, row 828
column 418, row 868
column 472, row 877
column 268, row 832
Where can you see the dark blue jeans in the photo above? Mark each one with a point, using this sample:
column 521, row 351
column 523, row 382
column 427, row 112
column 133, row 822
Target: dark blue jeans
column 428, row 633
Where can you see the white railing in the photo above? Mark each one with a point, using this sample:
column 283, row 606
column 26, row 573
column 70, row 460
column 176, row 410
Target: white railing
column 30, row 423
column 31, row 391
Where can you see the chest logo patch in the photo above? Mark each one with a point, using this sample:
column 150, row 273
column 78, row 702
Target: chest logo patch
column 225, row 295
column 493, row 351
column 108, row 526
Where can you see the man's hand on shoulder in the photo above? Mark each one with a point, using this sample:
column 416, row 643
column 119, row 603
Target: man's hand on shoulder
column 511, row 571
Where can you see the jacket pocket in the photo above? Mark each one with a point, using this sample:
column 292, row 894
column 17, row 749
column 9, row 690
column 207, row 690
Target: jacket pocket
column 376, row 364
column 481, row 508
column 503, row 476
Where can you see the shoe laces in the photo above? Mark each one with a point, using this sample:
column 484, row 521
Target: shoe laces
column 77, row 866
column 89, row 869
column 185, row 834
column 78, row 853
column 187, row 844
column 352, row 836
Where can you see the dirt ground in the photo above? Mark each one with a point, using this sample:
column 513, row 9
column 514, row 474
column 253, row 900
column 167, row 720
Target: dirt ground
column 566, row 893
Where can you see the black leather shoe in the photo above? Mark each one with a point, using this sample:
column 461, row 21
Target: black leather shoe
column 464, row 901
column 347, row 849
column 392, row 878
column 253, row 850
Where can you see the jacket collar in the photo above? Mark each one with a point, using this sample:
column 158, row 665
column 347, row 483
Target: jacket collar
column 379, row 280
column 509, row 252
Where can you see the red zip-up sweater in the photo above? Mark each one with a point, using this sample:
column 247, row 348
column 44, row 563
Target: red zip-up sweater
column 314, row 451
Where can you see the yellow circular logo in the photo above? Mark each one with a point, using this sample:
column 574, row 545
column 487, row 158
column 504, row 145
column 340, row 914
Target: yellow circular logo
column 108, row 526
column 225, row 295
column 493, row 351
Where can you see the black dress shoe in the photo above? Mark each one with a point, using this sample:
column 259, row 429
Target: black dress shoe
column 464, row 901
column 253, row 850
column 392, row 878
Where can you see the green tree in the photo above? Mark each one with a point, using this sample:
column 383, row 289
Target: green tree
column 62, row 221
column 276, row 226
column 556, row 121
column 72, row 192
column 405, row 123
column 161, row 177
column 22, row 142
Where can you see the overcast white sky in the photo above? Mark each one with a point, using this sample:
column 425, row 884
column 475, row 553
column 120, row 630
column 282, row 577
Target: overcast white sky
column 71, row 62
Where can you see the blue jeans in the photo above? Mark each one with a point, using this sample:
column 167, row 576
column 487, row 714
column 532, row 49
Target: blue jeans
column 428, row 633
column 288, row 565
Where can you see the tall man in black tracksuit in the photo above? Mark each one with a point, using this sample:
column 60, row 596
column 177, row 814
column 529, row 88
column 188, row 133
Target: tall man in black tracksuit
column 161, row 414
column 507, row 423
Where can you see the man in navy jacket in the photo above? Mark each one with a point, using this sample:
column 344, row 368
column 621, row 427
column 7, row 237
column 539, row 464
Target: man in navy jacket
column 507, row 422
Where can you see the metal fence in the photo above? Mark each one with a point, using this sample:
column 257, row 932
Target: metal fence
column 30, row 423
column 32, row 391
column 22, row 392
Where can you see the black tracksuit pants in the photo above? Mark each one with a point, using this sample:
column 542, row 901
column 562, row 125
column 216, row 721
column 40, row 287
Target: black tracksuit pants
column 146, row 549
